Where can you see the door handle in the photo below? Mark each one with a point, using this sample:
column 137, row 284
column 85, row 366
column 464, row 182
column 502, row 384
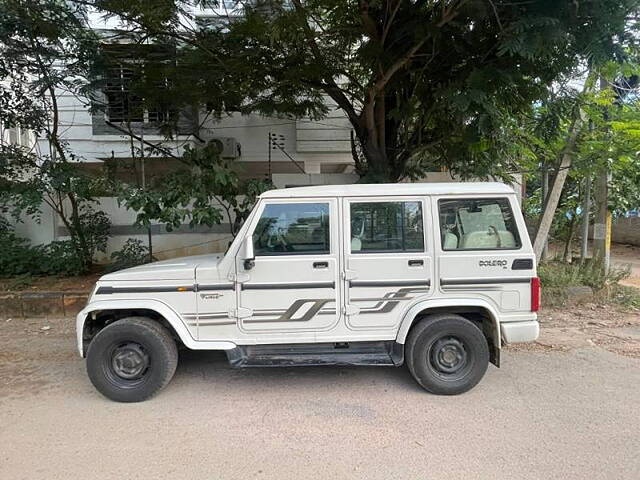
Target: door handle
column 415, row 263
column 320, row 264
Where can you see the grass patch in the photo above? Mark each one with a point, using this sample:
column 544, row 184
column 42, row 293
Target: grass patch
column 557, row 276
column 627, row 297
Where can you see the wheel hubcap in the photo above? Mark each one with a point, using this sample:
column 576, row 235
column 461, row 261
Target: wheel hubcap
column 129, row 361
column 448, row 355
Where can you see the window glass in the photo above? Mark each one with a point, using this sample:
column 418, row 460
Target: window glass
column 386, row 227
column 478, row 224
column 292, row 229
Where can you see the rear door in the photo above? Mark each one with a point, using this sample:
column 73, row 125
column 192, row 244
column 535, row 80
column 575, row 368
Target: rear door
column 387, row 259
column 485, row 250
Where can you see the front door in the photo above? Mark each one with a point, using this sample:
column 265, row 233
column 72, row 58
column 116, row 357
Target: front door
column 292, row 287
column 388, row 261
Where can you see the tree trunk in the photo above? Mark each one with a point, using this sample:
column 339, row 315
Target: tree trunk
column 567, row 254
column 556, row 189
column 558, row 182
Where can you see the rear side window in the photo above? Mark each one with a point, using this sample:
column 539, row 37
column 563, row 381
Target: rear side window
column 478, row 224
column 292, row 229
column 386, row 227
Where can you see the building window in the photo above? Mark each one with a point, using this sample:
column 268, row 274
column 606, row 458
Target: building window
column 478, row 224
column 123, row 105
column 293, row 229
column 386, row 227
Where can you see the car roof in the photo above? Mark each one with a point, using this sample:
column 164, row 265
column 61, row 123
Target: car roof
column 391, row 189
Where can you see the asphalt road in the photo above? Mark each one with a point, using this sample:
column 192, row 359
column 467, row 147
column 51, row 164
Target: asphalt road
column 544, row 414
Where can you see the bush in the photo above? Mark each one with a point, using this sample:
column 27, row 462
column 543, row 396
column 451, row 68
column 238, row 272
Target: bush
column 589, row 273
column 133, row 253
column 19, row 258
column 60, row 258
column 557, row 276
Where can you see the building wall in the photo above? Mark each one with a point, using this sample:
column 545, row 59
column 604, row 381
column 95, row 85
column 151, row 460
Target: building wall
column 308, row 153
column 626, row 230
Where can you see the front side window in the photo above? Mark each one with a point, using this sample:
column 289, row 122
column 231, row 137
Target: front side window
column 292, row 229
column 386, row 227
column 478, row 224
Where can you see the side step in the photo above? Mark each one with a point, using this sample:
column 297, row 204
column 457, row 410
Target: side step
column 387, row 353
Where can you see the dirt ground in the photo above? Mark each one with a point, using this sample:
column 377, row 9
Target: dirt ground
column 587, row 326
column 627, row 255
column 83, row 283
column 564, row 407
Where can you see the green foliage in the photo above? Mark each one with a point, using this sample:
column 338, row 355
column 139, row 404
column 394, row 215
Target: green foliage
column 425, row 85
column 47, row 49
column 589, row 273
column 628, row 297
column 556, row 276
column 133, row 252
column 18, row 258
column 60, row 258
column 205, row 191
column 606, row 141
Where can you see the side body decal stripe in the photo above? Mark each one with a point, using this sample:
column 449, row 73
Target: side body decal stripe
column 483, row 281
column 390, row 283
column 111, row 290
column 282, row 286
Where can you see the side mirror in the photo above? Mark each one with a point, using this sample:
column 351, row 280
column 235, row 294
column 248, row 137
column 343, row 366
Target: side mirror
column 247, row 253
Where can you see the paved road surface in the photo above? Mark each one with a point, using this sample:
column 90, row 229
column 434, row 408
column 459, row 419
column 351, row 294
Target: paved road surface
column 545, row 414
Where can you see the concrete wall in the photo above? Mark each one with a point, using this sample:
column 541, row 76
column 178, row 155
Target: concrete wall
column 306, row 141
column 626, row 230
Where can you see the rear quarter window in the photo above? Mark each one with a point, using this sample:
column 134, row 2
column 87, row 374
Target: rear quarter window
column 478, row 224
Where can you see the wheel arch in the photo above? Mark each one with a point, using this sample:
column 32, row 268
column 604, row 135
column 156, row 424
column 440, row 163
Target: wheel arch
column 472, row 309
column 97, row 315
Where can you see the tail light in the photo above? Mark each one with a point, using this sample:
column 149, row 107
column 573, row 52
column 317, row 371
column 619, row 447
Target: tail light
column 535, row 294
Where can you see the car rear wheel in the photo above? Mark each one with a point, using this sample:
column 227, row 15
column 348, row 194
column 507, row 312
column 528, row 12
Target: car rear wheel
column 131, row 359
column 447, row 354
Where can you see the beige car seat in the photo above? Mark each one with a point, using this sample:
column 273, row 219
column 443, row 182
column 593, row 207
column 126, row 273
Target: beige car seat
column 450, row 241
column 488, row 239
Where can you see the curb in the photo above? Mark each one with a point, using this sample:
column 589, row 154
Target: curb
column 41, row 304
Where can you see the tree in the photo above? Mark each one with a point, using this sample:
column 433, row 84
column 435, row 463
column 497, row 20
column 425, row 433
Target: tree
column 578, row 134
column 203, row 192
column 424, row 85
column 46, row 48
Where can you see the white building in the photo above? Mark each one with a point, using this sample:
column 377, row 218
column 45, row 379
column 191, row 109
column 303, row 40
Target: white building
column 292, row 152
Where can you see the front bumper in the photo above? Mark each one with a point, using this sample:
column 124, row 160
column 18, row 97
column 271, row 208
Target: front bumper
column 516, row 332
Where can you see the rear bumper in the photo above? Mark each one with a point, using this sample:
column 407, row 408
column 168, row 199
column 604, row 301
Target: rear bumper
column 515, row 332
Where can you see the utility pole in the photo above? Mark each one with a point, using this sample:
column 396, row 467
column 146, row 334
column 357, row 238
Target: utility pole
column 602, row 222
column 586, row 206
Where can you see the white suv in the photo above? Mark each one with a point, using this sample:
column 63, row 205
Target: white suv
column 437, row 276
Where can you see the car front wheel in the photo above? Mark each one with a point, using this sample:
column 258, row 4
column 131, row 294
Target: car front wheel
column 131, row 359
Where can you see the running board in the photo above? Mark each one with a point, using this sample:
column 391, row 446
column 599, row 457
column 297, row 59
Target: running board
column 314, row 354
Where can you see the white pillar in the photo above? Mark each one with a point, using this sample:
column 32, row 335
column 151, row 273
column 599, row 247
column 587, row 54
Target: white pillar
column 311, row 166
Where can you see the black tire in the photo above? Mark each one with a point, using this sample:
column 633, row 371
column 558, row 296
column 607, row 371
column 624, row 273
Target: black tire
column 447, row 354
column 131, row 359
